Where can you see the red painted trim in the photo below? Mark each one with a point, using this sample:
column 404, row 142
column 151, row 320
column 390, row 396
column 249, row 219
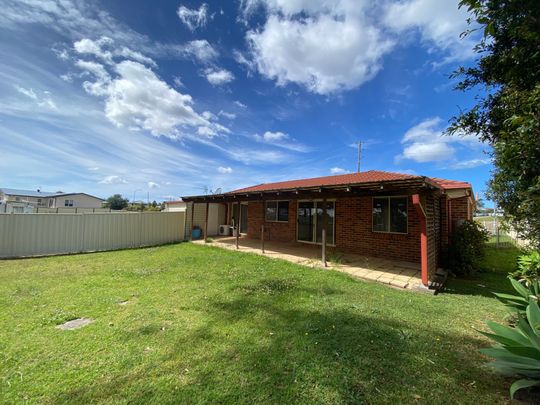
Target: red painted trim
column 423, row 238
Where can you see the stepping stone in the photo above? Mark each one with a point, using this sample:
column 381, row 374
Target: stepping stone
column 75, row 324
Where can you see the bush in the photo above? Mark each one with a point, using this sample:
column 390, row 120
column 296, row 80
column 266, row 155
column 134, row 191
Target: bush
column 528, row 266
column 466, row 248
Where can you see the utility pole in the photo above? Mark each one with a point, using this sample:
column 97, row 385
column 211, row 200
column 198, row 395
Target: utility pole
column 359, row 143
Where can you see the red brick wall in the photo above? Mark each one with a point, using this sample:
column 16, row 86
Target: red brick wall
column 278, row 231
column 444, row 220
column 353, row 230
column 460, row 210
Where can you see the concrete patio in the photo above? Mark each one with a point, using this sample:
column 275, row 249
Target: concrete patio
column 395, row 273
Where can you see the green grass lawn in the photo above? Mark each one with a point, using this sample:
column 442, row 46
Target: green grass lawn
column 205, row 325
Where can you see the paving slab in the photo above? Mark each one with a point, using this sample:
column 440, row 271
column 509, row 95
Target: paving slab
column 75, row 324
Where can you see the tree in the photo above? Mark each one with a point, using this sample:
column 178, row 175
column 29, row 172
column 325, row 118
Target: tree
column 506, row 78
column 116, row 202
column 480, row 206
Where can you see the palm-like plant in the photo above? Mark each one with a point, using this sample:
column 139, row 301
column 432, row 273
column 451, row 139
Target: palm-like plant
column 517, row 351
column 526, row 289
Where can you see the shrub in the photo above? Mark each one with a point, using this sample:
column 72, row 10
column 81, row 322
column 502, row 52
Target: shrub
column 517, row 350
column 466, row 248
column 528, row 266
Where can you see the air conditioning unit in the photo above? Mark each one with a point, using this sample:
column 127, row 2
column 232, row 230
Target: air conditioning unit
column 224, row 230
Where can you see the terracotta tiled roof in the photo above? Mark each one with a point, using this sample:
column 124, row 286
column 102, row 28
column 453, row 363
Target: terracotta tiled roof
column 450, row 184
column 372, row 176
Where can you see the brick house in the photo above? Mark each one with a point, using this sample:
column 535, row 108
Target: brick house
column 375, row 213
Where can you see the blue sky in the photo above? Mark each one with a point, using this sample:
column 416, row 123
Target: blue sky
column 172, row 98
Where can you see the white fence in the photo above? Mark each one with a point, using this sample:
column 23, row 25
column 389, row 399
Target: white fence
column 48, row 234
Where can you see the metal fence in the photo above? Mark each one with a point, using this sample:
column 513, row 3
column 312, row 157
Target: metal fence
column 501, row 235
column 49, row 234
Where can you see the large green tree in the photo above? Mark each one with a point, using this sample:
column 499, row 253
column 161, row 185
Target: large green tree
column 506, row 80
column 116, row 202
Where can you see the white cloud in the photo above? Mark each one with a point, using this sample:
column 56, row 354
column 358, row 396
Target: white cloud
column 224, row 170
column 103, row 48
column 426, row 142
column 226, row 114
column 177, row 80
column 201, row 50
column 254, row 156
column 44, row 101
column 218, row 77
column 324, row 46
column 428, row 152
column 281, row 140
column 152, row 184
column 137, row 99
column 332, row 46
column 112, row 180
column 240, row 104
column 337, row 170
column 193, row 18
column 439, row 24
column 272, row 137
column 469, row 164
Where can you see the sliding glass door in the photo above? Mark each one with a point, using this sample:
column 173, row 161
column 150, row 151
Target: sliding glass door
column 310, row 221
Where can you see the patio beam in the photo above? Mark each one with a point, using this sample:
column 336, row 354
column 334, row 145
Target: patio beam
column 408, row 187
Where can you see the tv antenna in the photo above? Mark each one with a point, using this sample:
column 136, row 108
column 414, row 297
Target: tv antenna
column 359, row 144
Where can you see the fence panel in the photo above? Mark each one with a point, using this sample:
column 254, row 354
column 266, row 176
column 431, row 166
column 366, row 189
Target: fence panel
column 48, row 234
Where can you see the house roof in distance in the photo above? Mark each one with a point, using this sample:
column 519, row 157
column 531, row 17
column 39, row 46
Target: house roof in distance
column 349, row 179
column 39, row 193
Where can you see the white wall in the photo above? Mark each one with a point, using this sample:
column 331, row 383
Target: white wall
column 216, row 217
column 79, row 201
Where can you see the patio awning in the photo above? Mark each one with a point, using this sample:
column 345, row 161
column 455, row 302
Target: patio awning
column 405, row 186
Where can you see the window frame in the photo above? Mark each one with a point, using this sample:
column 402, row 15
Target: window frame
column 277, row 211
column 388, row 198
column 68, row 203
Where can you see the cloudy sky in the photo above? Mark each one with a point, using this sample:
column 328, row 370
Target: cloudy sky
column 173, row 98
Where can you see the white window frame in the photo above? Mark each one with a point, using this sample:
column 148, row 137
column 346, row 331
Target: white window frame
column 68, row 203
column 390, row 214
column 277, row 211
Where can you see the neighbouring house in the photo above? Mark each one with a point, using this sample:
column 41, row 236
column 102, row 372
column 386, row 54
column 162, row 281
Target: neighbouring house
column 28, row 201
column 375, row 213
column 172, row 206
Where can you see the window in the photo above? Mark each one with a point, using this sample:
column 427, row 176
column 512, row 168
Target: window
column 277, row 211
column 390, row 214
column 68, row 203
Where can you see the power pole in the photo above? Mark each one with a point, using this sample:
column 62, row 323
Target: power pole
column 359, row 143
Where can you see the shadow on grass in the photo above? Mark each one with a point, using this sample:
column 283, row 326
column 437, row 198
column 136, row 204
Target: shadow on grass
column 255, row 346
column 492, row 277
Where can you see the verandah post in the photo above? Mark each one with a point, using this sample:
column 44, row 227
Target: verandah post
column 262, row 224
column 239, row 214
column 323, row 241
column 206, row 223
column 191, row 225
